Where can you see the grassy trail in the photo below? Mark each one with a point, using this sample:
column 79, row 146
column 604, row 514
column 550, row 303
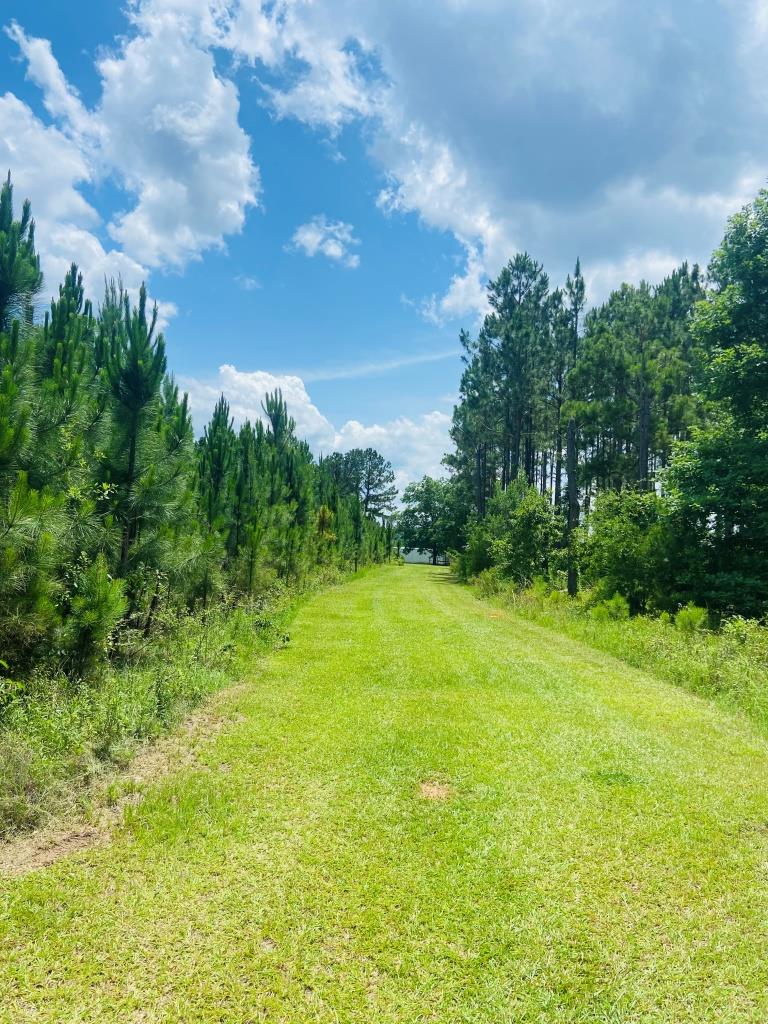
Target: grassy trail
column 423, row 810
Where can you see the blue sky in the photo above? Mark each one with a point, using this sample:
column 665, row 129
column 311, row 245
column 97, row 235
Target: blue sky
column 316, row 192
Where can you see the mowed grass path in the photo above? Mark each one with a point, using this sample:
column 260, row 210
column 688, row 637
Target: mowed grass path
column 598, row 848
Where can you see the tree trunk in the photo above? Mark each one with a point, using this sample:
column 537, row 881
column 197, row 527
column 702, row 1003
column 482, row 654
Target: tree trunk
column 643, row 438
column 481, row 474
column 128, row 527
column 573, row 507
column 479, row 480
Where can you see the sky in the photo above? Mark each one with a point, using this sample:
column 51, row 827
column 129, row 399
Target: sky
column 317, row 191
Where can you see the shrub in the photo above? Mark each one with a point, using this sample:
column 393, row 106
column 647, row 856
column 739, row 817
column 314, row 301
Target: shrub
column 692, row 619
column 95, row 610
column 622, row 547
column 490, row 582
column 518, row 537
column 616, row 609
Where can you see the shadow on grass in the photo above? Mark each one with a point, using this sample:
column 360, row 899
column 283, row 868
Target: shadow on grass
column 442, row 577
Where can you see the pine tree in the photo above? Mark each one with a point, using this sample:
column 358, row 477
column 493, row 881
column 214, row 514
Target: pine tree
column 66, row 400
column 134, row 363
column 20, row 277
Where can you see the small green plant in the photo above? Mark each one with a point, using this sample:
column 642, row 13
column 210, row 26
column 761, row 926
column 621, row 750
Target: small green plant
column 692, row 619
column 614, row 609
column 490, row 582
column 96, row 607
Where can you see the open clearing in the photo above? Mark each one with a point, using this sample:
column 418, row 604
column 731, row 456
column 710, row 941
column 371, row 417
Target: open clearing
column 421, row 810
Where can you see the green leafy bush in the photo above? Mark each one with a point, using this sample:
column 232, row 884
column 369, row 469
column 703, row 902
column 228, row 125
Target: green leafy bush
column 692, row 619
column 615, row 609
column 518, row 537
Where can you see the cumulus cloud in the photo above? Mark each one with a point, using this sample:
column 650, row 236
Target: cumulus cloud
column 245, row 391
column 580, row 134
column 172, row 135
column 332, row 239
column 46, row 164
column 588, row 129
column 415, row 446
column 165, row 129
column 61, row 100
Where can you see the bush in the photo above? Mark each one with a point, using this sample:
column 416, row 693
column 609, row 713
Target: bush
column 692, row 619
column 490, row 582
column 517, row 538
column 95, row 609
column 615, row 609
column 622, row 547
column 475, row 558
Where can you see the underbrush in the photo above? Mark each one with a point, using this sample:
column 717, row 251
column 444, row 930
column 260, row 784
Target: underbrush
column 58, row 737
column 729, row 663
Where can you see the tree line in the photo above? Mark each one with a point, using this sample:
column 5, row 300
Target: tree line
column 111, row 511
column 624, row 447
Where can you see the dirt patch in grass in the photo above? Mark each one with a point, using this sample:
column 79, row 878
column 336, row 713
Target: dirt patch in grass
column 435, row 791
column 41, row 849
column 180, row 750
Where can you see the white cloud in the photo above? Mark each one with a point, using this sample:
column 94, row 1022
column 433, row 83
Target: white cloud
column 557, row 145
column 245, row 391
column 332, row 239
column 652, row 266
column 172, row 136
column 48, row 166
column 248, row 283
column 60, row 98
column 45, row 165
column 466, row 294
column 373, row 369
column 165, row 128
column 414, row 446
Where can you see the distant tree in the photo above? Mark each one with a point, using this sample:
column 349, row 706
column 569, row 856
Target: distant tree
column 429, row 520
column 366, row 473
column 377, row 488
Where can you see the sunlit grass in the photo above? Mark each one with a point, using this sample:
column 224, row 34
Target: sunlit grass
column 426, row 810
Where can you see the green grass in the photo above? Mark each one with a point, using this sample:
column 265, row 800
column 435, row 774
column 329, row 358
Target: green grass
column 60, row 741
column 601, row 854
column 729, row 664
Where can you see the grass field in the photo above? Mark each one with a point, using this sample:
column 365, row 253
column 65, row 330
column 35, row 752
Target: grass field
column 422, row 810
